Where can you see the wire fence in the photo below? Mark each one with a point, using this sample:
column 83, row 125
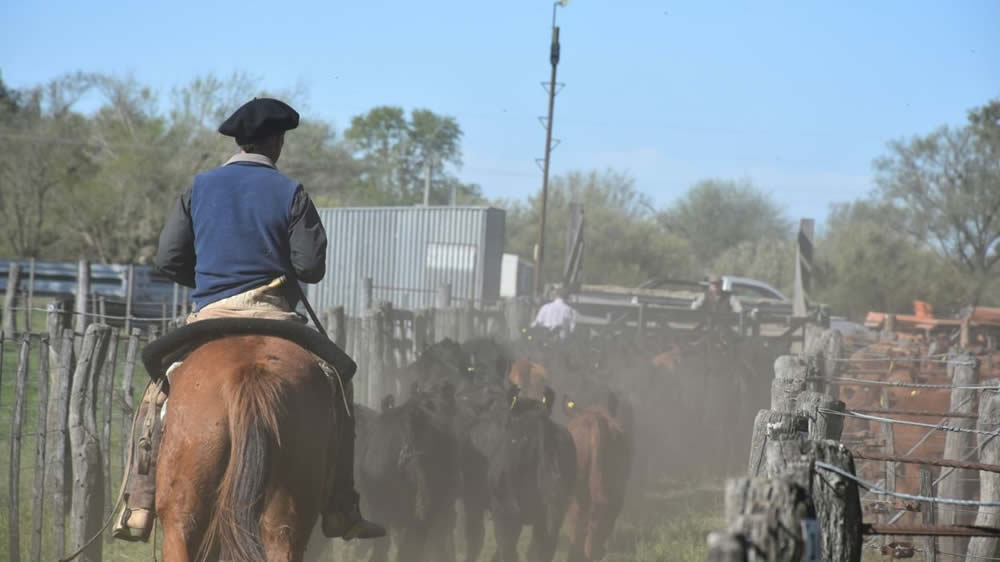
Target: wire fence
column 901, row 384
column 880, row 490
column 882, row 419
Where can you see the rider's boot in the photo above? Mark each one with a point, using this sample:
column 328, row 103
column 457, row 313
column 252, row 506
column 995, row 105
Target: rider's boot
column 135, row 521
column 342, row 517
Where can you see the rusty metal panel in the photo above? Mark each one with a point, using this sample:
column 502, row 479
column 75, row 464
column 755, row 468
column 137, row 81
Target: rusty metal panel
column 409, row 252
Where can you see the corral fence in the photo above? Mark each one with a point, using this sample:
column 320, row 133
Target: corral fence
column 808, row 494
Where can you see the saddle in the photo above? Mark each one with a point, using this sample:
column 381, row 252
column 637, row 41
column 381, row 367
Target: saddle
column 159, row 354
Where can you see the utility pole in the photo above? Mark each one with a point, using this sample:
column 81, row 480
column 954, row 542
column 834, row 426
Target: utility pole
column 554, row 60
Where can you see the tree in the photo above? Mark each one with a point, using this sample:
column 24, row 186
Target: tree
column 945, row 191
column 43, row 151
column 865, row 266
column 397, row 153
column 623, row 243
column 715, row 215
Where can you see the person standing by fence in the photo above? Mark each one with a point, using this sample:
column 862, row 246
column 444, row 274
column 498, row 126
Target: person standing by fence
column 557, row 316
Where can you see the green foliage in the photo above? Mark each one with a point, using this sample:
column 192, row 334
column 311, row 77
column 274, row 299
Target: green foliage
column 100, row 185
column 767, row 259
column 866, row 265
column 943, row 189
column 42, row 153
column 715, row 215
column 623, row 244
column 397, row 153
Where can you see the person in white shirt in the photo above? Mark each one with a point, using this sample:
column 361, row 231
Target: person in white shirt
column 557, row 316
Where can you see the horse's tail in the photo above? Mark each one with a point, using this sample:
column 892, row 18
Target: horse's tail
column 254, row 407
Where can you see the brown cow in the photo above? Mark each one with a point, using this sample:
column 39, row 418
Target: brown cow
column 604, row 458
column 530, row 378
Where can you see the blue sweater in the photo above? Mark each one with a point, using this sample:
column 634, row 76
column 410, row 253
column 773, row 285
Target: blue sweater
column 237, row 228
column 241, row 215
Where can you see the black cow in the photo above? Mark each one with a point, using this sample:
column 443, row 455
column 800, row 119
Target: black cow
column 531, row 471
column 407, row 470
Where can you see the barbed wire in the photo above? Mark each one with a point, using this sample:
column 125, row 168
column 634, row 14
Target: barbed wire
column 880, row 490
column 945, row 427
column 926, row 359
column 867, row 382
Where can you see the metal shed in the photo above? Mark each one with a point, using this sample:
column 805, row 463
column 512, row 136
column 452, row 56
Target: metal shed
column 409, row 252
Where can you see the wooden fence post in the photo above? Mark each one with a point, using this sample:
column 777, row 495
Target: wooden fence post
column 127, row 405
column 57, row 471
column 640, row 332
column 770, row 425
column 889, row 437
column 107, row 386
column 173, row 306
column 338, row 326
column 14, row 480
column 789, row 381
column 985, row 548
column 29, row 303
column 927, row 514
column 387, row 327
column 420, row 336
column 466, row 322
column 957, row 484
column 82, row 296
column 780, row 505
column 367, row 294
column 512, row 316
column 836, row 498
column 889, row 328
column 41, row 423
column 88, row 481
column 10, row 300
column 822, row 425
column 129, row 295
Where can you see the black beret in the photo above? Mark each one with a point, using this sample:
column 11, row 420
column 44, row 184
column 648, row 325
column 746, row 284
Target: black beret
column 260, row 118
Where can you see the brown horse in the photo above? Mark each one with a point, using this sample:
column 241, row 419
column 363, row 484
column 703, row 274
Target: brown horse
column 248, row 450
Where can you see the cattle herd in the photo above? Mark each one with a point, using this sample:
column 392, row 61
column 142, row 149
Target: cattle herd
column 477, row 429
column 543, row 436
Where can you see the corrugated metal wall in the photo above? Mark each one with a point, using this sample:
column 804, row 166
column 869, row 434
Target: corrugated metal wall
column 409, row 252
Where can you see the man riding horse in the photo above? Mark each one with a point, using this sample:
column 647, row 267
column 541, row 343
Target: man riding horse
column 242, row 235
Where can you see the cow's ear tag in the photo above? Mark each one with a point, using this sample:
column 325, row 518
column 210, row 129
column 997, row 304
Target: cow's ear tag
column 545, row 400
column 512, row 402
column 571, row 404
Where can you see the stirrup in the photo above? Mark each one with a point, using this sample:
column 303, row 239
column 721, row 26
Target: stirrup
column 134, row 525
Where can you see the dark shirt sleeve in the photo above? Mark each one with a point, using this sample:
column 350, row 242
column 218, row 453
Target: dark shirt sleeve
column 175, row 255
column 307, row 239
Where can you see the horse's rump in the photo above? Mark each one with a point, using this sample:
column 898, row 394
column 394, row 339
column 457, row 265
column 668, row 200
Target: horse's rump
column 250, row 420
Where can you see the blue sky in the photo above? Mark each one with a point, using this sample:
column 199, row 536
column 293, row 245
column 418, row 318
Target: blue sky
column 798, row 97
